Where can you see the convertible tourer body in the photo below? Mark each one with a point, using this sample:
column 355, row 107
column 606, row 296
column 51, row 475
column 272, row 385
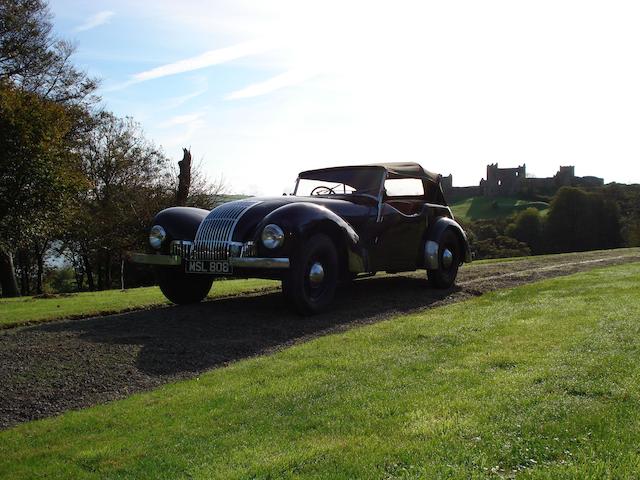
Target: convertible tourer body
column 338, row 223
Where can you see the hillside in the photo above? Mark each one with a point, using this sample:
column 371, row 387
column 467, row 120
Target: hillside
column 477, row 208
column 495, row 386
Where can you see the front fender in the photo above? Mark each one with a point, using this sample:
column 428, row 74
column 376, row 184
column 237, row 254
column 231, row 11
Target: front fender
column 180, row 223
column 301, row 220
column 433, row 241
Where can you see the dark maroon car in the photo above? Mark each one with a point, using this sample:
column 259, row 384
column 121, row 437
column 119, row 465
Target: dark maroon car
column 339, row 223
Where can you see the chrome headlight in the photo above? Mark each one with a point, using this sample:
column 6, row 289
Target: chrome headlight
column 157, row 235
column 272, row 236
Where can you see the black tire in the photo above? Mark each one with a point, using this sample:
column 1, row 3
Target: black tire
column 445, row 276
column 306, row 292
column 182, row 288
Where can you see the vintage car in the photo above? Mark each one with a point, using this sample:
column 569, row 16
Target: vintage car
column 339, row 223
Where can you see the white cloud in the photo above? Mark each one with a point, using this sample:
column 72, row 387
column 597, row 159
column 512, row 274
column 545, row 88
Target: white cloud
column 187, row 119
column 201, row 88
column 207, row 59
column 94, row 21
column 287, row 79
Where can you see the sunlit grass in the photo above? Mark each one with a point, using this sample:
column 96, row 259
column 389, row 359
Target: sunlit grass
column 477, row 208
column 541, row 381
column 15, row 311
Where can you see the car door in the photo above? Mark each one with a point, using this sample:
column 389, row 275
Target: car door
column 399, row 233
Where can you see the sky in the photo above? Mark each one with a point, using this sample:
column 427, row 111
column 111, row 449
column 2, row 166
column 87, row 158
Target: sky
column 260, row 90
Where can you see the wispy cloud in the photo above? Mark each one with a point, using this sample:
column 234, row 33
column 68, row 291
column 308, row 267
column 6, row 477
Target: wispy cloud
column 287, row 79
column 187, row 119
column 178, row 101
column 94, row 21
column 207, row 59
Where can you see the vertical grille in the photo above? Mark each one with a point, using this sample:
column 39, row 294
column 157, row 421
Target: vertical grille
column 213, row 239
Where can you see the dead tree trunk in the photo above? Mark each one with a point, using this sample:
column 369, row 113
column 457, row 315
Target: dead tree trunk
column 8, row 275
column 24, row 265
column 89, row 271
column 184, row 178
column 107, row 270
column 40, row 250
column 40, row 273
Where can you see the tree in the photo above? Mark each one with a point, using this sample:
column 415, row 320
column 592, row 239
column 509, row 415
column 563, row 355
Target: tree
column 527, row 228
column 35, row 60
column 580, row 221
column 632, row 232
column 128, row 182
column 36, row 74
column 25, row 37
column 203, row 192
column 501, row 246
column 37, row 172
column 627, row 198
column 184, row 178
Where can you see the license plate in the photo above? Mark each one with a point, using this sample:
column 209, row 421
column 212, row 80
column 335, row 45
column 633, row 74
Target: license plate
column 215, row 267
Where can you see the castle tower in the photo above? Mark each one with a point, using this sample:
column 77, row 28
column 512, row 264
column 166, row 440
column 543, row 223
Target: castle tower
column 504, row 181
column 565, row 176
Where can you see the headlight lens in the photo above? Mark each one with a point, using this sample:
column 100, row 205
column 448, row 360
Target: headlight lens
column 272, row 236
column 157, row 235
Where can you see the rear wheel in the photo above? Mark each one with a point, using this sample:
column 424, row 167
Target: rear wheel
column 183, row 288
column 310, row 284
column 449, row 256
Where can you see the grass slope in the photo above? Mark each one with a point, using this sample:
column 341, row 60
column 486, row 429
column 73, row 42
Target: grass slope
column 542, row 381
column 17, row 311
column 477, row 208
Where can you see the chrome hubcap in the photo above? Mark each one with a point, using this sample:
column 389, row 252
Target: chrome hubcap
column 316, row 274
column 447, row 259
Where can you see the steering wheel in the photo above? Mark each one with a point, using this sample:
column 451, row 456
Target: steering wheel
column 322, row 190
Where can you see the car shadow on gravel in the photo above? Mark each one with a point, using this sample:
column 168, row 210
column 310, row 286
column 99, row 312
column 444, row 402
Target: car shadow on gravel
column 182, row 340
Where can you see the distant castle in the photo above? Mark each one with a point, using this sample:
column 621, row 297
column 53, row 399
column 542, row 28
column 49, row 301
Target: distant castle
column 508, row 182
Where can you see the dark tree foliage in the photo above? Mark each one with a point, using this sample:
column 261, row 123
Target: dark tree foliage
column 580, row 221
column 627, row 197
column 577, row 220
column 528, row 228
column 128, row 182
column 501, row 246
column 33, row 59
column 37, row 173
column 489, row 239
column 25, row 37
column 46, row 100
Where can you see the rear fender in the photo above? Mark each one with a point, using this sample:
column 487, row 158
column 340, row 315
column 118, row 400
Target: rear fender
column 434, row 236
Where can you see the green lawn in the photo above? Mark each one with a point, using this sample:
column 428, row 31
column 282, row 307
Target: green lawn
column 477, row 208
column 542, row 381
column 15, row 311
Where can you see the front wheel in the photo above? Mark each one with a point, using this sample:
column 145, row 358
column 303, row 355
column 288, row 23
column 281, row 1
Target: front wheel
column 310, row 284
column 448, row 260
column 183, row 288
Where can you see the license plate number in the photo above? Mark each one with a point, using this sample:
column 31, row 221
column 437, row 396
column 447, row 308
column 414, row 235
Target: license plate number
column 215, row 267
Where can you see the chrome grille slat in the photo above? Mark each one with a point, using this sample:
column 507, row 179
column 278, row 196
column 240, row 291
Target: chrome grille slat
column 181, row 248
column 213, row 239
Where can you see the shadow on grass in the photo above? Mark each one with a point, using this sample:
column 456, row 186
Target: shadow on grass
column 186, row 339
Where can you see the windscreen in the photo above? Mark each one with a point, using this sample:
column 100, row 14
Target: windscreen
column 340, row 181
